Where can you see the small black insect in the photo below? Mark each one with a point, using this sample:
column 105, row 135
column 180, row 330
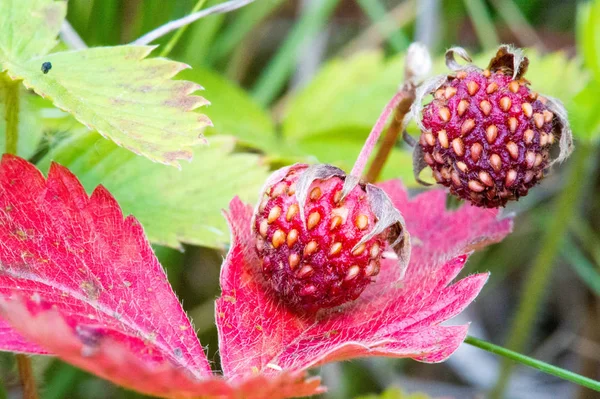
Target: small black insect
column 46, row 66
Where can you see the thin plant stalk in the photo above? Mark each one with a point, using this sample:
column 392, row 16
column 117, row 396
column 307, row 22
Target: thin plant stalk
column 537, row 279
column 512, row 356
column 178, row 23
column 11, row 112
column 177, row 35
column 367, row 149
column 27, row 377
column 391, row 136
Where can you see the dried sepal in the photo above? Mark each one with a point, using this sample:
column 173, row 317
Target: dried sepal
column 510, row 60
column 306, row 179
column 349, row 183
column 451, row 61
column 561, row 121
column 419, row 164
column 388, row 218
column 426, row 88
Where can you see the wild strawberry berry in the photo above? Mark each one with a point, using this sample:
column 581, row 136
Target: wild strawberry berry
column 318, row 247
column 486, row 135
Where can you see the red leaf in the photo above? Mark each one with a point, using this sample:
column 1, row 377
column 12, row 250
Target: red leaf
column 79, row 281
column 12, row 341
column 114, row 360
column 393, row 317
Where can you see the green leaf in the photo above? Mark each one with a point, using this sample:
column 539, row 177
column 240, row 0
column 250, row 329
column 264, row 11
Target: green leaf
column 28, row 28
column 114, row 90
column 395, row 393
column 588, row 35
column 542, row 73
column 125, row 98
column 346, row 93
column 584, row 112
column 233, row 112
column 173, row 206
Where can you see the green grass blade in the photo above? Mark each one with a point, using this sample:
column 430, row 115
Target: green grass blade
column 581, row 265
column 276, row 74
column 483, row 24
column 175, row 38
column 243, row 23
column 377, row 12
column 534, row 363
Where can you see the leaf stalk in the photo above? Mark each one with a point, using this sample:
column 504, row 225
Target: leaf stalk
column 27, row 377
column 11, row 112
column 512, row 356
column 391, row 135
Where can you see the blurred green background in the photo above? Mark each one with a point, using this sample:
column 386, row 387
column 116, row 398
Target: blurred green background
column 305, row 80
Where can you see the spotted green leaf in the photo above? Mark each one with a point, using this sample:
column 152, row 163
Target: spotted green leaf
column 28, row 28
column 173, row 206
column 116, row 91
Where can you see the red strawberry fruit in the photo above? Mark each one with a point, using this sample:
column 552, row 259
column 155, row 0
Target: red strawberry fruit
column 320, row 235
column 486, row 135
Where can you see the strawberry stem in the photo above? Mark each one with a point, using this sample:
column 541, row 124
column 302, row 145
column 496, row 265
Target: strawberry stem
column 391, row 135
column 534, row 363
column 11, row 112
column 369, row 145
column 27, row 378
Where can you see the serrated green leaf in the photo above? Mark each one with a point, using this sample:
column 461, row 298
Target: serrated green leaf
column 588, row 35
column 28, row 28
column 114, row 90
column 395, row 393
column 123, row 96
column 233, row 112
column 173, row 206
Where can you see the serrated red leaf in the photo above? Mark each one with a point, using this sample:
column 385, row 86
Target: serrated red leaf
column 393, row 317
column 115, row 361
column 79, row 281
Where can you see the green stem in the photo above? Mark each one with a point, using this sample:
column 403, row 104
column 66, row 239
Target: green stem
column 27, row 378
column 534, row 363
column 538, row 277
column 11, row 112
column 177, row 35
